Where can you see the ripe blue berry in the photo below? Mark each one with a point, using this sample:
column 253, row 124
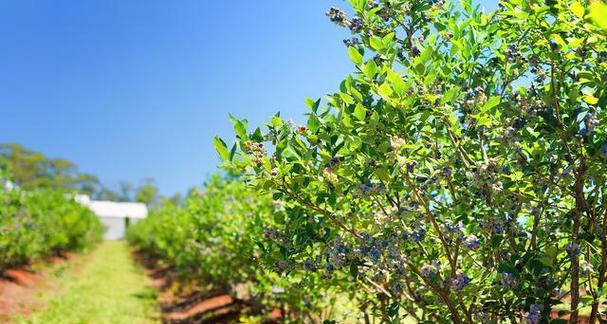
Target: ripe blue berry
column 603, row 151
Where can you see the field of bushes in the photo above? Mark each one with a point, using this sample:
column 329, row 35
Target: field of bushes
column 457, row 175
column 43, row 223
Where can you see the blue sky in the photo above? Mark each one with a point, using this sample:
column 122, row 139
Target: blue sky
column 135, row 89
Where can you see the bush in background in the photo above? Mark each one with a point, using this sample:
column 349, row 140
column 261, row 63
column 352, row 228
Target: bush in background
column 41, row 223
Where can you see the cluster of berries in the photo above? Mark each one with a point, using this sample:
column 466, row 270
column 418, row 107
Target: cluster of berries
column 430, row 270
column 417, row 234
column 459, row 282
column 590, row 122
column 535, row 313
column 475, row 96
column 367, row 189
column 337, row 16
column 396, row 143
column 573, row 249
column 472, row 242
column 352, row 42
column 508, row 281
column 257, row 149
column 514, row 54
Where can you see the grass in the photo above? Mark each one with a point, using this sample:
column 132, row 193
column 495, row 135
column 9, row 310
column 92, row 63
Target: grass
column 106, row 287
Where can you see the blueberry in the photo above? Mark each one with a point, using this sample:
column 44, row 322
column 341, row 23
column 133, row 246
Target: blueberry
column 535, row 313
column 603, row 151
column 472, row 242
column 375, row 254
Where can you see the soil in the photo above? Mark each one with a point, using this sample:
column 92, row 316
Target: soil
column 190, row 305
column 18, row 287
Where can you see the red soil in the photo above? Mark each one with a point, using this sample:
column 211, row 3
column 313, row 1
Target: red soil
column 18, row 287
column 215, row 306
column 16, row 293
column 190, row 305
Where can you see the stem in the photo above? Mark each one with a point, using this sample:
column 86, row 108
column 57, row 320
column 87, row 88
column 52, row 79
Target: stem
column 456, row 317
column 441, row 292
column 432, row 220
column 320, row 210
column 575, row 259
column 602, row 269
column 536, row 222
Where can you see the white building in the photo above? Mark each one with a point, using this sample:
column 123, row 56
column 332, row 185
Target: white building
column 115, row 216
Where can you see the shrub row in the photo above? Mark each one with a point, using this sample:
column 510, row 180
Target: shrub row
column 41, row 223
column 459, row 175
column 216, row 242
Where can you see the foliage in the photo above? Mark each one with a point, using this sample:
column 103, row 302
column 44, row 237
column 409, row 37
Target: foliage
column 213, row 241
column 459, row 173
column 31, row 170
column 43, row 223
column 147, row 193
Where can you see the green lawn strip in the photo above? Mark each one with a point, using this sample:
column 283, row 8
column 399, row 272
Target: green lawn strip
column 107, row 288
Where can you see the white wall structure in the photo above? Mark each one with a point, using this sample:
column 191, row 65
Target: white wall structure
column 115, row 215
column 8, row 185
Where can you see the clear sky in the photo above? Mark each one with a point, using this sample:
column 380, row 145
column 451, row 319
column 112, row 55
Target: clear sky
column 135, row 89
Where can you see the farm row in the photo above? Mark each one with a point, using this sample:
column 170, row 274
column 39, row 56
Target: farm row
column 457, row 176
column 43, row 223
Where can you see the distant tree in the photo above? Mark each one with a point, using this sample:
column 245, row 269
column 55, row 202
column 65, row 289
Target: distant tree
column 4, row 171
column 106, row 194
column 147, row 193
column 176, row 199
column 126, row 191
column 30, row 170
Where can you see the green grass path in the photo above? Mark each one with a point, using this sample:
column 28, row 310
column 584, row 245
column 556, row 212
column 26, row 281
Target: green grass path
column 106, row 286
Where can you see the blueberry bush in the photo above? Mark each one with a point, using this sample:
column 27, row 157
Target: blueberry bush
column 41, row 223
column 458, row 175
column 214, row 242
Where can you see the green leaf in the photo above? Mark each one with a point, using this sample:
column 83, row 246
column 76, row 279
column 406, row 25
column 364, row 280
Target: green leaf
column 388, row 38
column 313, row 124
column 592, row 100
column 355, row 55
column 346, row 98
column 450, row 95
column 482, row 120
column 240, row 127
column 221, row 148
column 598, row 13
column 385, row 91
column 383, row 174
column 586, row 299
column 426, row 54
column 577, row 9
column 376, row 43
column 397, row 82
column 313, row 105
column 492, row 102
column 360, row 112
column 277, row 121
column 370, row 69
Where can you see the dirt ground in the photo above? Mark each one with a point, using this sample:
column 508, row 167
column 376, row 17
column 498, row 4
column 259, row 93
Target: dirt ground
column 191, row 305
column 19, row 286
